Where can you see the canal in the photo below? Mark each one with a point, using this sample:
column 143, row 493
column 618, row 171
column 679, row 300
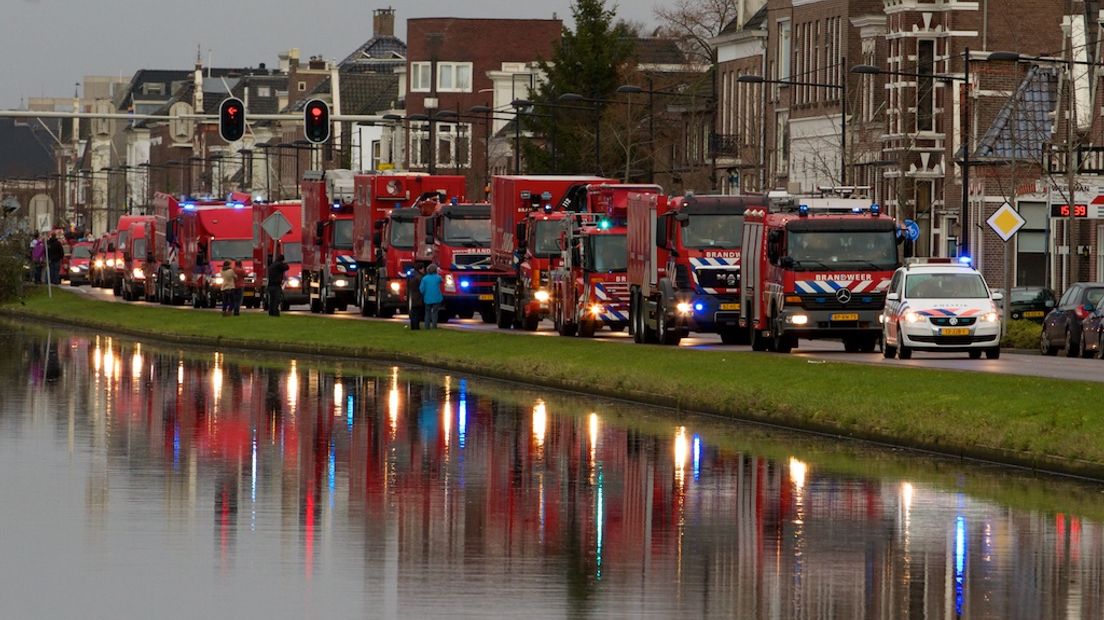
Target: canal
column 143, row 480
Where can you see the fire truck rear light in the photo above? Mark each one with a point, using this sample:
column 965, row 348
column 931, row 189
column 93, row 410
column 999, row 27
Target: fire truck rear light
column 799, row 319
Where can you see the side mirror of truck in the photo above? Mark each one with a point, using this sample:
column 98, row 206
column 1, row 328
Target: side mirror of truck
column 378, row 224
column 429, row 231
column 520, row 234
column 149, row 257
column 319, row 227
column 661, row 233
column 377, row 239
column 787, row 262
column 682, row 218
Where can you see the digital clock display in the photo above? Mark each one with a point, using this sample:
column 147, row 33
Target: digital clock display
column 1064, row 211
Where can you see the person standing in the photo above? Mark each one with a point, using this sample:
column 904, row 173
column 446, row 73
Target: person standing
column 432, row 296
column 227, row 288
column 55, row 252
column 277, row 269
column 38, row 257
column 239, row 286
column 417, row 306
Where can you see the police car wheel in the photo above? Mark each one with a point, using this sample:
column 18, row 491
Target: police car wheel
column 975, row 354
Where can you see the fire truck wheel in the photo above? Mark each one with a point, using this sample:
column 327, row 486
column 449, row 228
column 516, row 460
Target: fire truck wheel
column 666, row 334
column 195, row 300
column 586, row 329
column 530, row 322
column 563, row 327
column 285, row 306
column 383, row 313
column 117, row 289
column 783, row 342
column 487, row 314
column 733, row 335
column 759, row 341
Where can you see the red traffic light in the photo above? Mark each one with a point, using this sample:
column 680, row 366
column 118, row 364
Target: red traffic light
column 232, row 119
column 316, row 124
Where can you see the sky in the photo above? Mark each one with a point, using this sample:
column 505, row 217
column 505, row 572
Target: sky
column 48, row 45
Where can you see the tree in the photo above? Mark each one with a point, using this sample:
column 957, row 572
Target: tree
column 590, row 61
column 694, row 22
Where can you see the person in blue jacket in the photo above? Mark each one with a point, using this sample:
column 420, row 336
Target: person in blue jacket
column 432, row 296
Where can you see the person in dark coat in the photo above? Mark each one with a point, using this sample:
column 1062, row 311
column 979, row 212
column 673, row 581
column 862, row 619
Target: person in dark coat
column 55, row 251
column 417, row 307
column 277, row 269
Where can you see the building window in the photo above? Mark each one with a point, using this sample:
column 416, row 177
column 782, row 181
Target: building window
column 153, row 89
column 454, row 77
column 420, row 73
column 454, row 145
column 925, row 98
column 1031, row 244
column 784, row 50
column 264, row 91
column 419, row 145
column 302, row 86
column 782, row 141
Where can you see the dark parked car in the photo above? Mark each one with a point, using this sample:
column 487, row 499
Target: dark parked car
column 1092, row 335
column 1031, row 303
column 1062, row 326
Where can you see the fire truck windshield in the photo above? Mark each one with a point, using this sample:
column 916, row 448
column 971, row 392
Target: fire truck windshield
column 231, row 249
column 139, row 249
column 546, row 238
column 866, row 249
column 468, row 232
column 606, row 253
column 402, row 234
column 343, row 234
column 713, row 231
column 293, row 252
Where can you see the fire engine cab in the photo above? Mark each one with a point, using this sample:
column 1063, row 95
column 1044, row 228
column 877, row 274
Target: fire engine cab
column 815, row 273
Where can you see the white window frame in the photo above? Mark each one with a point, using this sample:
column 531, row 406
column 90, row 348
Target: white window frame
column 448, row 134
column 421, row 77
column 418, row 132
column 785, row 49
column 448, row 74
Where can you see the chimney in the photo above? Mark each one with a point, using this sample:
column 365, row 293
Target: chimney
column 383, row 22
column 293, row 58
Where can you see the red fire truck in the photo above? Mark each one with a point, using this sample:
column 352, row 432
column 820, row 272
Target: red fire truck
column 210, row 234
column 265, row 250
column 457, row 238
column 590, row 288
column 122, row 249
column 139, row 259
column 527, row 215
column 383, row 233
column 103, row 260
column 815, row 273
column 329, row 267
column 684, row 265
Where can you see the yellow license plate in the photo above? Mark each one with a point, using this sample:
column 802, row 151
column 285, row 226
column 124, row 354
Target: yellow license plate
column 846, row 316
column 1033, row 314
column 730, row 306
column 954, row 331
column 486, row 298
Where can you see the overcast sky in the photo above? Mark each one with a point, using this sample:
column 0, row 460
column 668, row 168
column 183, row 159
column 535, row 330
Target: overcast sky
column 48, row 45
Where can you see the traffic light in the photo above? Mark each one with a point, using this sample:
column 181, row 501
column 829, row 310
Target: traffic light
column 232, row 119
column 316, row 121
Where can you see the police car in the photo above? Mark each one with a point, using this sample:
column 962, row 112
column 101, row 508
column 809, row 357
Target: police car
column 940, row 305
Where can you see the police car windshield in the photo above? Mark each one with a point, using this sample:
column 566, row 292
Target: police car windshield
column 607, row 253
column 812, row 250
column 469, row 232
column 402, row 234
column 713, row 231
column 293, row 252
column 231, row 249
column 343, row 234
column 546, row 239
column 945, row 286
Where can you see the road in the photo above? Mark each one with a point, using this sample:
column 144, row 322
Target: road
column 1028, row 365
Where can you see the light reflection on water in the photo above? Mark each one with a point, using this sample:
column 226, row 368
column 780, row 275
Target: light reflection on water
column 147, row 482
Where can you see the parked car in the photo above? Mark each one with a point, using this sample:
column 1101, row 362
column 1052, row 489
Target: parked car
column 1092, row 335
column 80, row 259
column 1062, row 326
column 1029, row 302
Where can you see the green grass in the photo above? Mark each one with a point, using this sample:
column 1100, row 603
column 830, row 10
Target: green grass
column 1037, row 422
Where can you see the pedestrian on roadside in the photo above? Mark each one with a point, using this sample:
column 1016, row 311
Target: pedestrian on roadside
column 277, row 269
column 432, row 295
column 227, row 288
column 38, row 257
column 239, row 286
column 417, row 306
column 55, row 252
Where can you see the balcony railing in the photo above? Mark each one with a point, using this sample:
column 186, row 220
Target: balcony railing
column 726, row 144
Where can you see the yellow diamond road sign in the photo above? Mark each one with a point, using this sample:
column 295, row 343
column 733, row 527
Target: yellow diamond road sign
column 1006, row 221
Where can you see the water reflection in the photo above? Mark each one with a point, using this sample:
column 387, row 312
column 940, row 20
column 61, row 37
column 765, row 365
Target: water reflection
column 360, row 491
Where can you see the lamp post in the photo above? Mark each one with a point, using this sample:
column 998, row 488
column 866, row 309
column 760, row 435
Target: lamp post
column 842, row 87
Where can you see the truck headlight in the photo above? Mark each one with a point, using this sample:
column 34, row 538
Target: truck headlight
column 183, row 278
column 541, row 296
column 218, row 280
column 341, row 283
column 292, row 283
column 111, row 262
column 799, row 319
column 990, row 317
column 684, row 308
column 596, row 309
column 138, row 273
column 99, row 263
column 74, row 269
column 395, row 287
column 450, row 283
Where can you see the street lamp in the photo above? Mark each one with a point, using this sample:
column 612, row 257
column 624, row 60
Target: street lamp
column 842, row 87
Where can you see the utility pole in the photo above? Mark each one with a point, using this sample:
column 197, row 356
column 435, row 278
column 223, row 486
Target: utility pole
column 1071, row 171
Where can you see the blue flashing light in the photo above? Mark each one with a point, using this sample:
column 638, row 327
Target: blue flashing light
column 455, row 201
column 604, row 224
column 548, row 207
column 336, row 205
column 856, row 210
column 465, row 283
column 237, row 205
column 875, row 209
column 188, row 206
column 803, row 210
column 699, row 306
column 964, row 260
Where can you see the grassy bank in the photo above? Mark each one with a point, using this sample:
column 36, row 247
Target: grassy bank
column 1028, row 421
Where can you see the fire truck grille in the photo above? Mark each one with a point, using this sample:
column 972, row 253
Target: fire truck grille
column 471, row 261
column 718, row 278
column 830, row 302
